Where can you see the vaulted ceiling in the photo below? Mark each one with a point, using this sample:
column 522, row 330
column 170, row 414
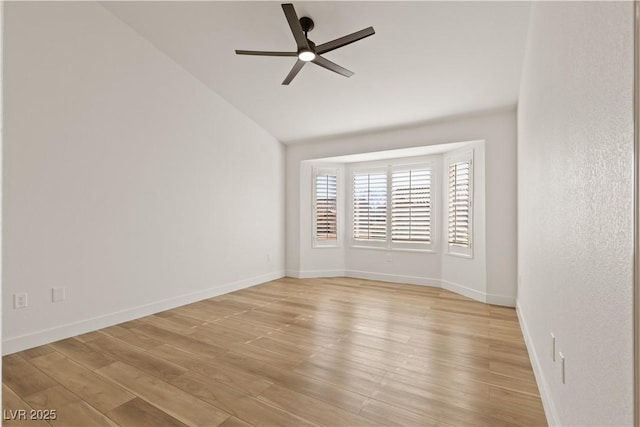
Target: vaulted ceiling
column 427, row 60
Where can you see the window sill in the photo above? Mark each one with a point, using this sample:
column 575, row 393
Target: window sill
column 379, row 248
column 316, row 245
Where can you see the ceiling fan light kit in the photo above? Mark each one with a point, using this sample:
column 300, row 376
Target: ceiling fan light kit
column 307, row 51
column 306, row 55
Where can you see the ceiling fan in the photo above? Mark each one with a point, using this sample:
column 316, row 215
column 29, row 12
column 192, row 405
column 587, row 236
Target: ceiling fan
column 307, row 50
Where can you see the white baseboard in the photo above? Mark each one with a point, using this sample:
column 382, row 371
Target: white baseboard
column 310, row 274
column 292, row 273
column 394, row 278
column 503, row 300
column 23, row 342
column 549, row 408
column 464, row 290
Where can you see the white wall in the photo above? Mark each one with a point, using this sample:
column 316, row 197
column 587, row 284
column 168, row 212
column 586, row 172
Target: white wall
column 326, row 261
column 497, row 129
column 126, row 180
column 575, row 247
column 468, row 276
column 1, row 162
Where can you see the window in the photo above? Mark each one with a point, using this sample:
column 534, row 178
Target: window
column 411, row 205
column 460, row 201
column 392, row 207
column 370, row 206
column 325, row 207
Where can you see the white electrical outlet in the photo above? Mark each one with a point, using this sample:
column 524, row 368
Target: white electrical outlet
column 20, row 300
column 57, row 294
column 553, row 347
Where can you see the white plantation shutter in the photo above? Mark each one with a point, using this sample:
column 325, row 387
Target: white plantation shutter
column 326, row 206
column 411, row 205
column 370, row 206
column 460, row 204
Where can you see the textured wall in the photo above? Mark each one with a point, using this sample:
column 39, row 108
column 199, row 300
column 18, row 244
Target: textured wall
column 575, row 145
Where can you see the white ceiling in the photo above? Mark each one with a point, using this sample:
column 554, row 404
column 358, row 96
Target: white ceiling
column 427, row 60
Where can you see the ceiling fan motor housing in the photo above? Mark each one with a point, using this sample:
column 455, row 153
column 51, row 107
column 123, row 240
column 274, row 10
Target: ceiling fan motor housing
column 306, row 23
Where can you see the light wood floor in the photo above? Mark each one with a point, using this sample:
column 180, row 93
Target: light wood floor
column 333, row 352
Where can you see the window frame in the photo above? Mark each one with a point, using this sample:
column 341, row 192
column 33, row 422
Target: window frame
column 379, row 244
column 388, row 167
column 324, row 243
column 450, row 159
column 414, row 245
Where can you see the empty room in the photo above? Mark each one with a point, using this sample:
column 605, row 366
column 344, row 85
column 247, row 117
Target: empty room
column 321, row 213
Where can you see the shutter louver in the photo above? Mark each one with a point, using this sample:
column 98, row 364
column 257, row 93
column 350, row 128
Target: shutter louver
column 411, row 206
column 459, row 203
column 370, row 206
column 326, row 207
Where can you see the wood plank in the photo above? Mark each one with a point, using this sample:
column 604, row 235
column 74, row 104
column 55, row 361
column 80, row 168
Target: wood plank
column 348, row 375
column 386, row 414
column 121, row 351
column 270, row 357
column 238, row 404
column 312, row 409
column 204, row 312
column 216, row 334
column 444, row 410
column 89, row 336
column 512, row 370
column 70, row 409
column 241, row 324
column 81, row 353
column 326, row 392
column 51, row 398
column 102, row 395
column 281, row 347
column 235, row 422
column 446, row 378
column 170, row 324
column 35, row 352
column 516, row 407
column 132, row 337
column 80, row 413
column 185, row 342
column 211, row 368
column 139, row 413
column 13, row 407
column 175, row 402
column 22, row 377
column 336, row 396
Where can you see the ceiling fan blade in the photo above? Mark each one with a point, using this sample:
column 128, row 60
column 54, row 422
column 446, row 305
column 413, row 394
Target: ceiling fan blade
column 294, row 72
column 343, row 41
column 294, row 24
column 325, row 63
column 264, row 53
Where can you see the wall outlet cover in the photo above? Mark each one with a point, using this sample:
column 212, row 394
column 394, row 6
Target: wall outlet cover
column 20, row 300
column 57, row 294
